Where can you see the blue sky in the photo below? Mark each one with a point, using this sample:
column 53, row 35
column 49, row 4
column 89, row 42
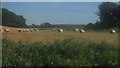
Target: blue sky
column 60, row 0
column 55, row 12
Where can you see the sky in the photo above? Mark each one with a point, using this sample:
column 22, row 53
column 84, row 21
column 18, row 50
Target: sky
column 59, row 0
column 55, row 12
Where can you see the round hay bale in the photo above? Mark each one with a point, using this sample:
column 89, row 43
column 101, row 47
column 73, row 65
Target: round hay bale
column 24, row 30
column 36, row 30
column 27, row 30
column 113, row 31
column 60, row 30
column 76, row 30
column 7, row 30
column 19, row 30
column 31, row 30
column 82, row 31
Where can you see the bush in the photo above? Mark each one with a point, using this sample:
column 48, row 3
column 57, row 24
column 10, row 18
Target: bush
column 59, row 53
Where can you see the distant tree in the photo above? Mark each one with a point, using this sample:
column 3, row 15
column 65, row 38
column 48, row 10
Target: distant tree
column 46, row 25
column 34, row 26
column 89, row 26
column 11, row 19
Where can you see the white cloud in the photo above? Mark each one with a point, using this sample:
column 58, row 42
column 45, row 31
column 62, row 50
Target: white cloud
column 59, row 0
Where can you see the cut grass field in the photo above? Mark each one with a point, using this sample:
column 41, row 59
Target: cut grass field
column 69, row 48
column 50, row 35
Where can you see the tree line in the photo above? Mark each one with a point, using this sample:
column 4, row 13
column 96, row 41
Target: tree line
column 109, row 16
column 47, row 25
column 12, row 20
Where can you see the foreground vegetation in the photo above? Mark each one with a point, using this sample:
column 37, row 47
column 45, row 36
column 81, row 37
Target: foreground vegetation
column 59, row 53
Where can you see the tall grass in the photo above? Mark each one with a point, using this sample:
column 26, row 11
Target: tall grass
column 60, row 53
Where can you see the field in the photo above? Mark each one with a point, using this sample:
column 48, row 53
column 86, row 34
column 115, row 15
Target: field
column 50, row 35
column 51, row 48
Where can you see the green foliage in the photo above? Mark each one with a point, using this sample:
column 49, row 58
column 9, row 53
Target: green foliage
column 46, row 25
column 109, row 16
column 33, row 26
column 69, row 26
column 11, row 19
column 89, row 26
column 60, row 53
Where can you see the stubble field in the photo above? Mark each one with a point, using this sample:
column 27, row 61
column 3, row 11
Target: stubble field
column 50, row 36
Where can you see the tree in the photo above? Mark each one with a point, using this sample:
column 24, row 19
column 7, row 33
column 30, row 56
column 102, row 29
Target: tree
column 34, row 26
column 89, row 26
column 46, row 25
column 11, row 19
column 108, row 14
column 118, row 15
